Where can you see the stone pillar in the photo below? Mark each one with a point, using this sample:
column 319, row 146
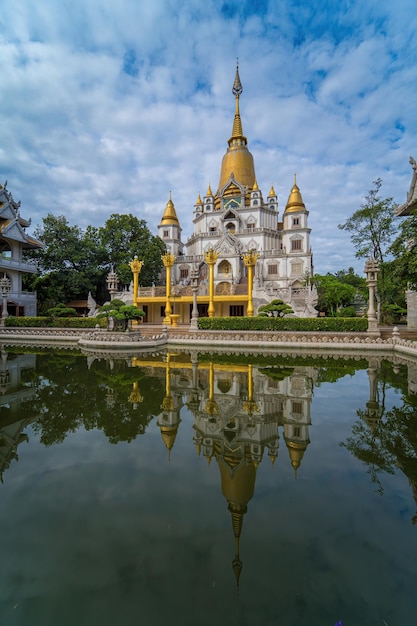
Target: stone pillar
column 371, row 270
column 249, row 260
column 411, row 309
column 211, row 258
column 5, row 290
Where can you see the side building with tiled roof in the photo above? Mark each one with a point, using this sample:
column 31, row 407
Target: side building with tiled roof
column 13, row 241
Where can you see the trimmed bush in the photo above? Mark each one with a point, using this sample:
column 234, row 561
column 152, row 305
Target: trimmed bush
column 59, row 322
column 308, row 324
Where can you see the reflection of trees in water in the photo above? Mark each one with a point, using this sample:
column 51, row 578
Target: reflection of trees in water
column 387, row 441
column 69, row 394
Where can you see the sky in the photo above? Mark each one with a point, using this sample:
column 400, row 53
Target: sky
column 108, row 107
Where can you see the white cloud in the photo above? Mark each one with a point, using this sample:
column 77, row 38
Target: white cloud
column 107, row 107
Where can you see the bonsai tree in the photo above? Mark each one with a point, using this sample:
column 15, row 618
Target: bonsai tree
column 276, row 308
column 121, row 313
column 60, row 310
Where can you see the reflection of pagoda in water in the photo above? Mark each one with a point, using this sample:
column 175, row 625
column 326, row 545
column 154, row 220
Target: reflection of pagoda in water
column 238, row 410
column 13, row 393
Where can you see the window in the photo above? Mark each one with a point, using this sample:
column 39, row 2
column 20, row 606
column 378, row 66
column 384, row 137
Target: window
column 224, row 267
column 236, row 310
column 212, row 229
column 272, row 269
column 297, row 407
column 250, row 226
column 296, row 244
column 184, row 273
column 296, row 431
column 166, row 233
column 296, row 221
column 255, row 203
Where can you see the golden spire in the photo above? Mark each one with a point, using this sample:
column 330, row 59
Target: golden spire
column 170, row 215
column 272, row 191
column 199, row 201
column 255, row 186
column 237, row 160
column 295, row 202
column 209, row 191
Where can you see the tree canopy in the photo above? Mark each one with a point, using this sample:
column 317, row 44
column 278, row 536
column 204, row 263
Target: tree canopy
column 74, row 262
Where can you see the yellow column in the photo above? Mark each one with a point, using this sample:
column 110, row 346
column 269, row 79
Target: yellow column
column 249, row 260
column 136, row 266
column 211, row 258
column 168, row 260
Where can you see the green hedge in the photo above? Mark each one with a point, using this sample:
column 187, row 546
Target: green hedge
column 59, row 322
column 308, row 324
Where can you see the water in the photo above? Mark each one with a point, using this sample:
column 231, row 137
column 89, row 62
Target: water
column 265, row 491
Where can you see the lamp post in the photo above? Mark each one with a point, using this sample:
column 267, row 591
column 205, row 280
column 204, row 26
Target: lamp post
column 194, row 287
column 210, row 258
column 168, row 261
column 112, row 283
column 136, row 266
column 249, row 260
column 371, row 270
column 5, row 290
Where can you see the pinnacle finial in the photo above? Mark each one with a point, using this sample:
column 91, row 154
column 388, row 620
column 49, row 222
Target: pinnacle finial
column 237, row 85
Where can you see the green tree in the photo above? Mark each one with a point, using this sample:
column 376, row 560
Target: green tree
column 121, row 312
column 333, row 294
column 123, row 237
column 276, row 308
column 70, row 264
column 372, row 229
column 404, row 248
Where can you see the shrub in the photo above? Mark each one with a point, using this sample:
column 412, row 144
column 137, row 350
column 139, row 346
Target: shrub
column 309, row 324
column 59, row 322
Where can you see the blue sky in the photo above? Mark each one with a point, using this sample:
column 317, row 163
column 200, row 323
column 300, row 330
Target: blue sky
column 106, row 107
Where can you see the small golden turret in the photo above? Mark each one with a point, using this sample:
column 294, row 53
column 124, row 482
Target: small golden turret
column 170, row 215
column 295, row 202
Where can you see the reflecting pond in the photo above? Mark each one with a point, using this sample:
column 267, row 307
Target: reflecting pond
column 202, row 489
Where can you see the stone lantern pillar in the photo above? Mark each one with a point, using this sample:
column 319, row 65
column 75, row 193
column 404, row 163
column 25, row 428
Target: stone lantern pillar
column 5, row 287
column 112, row 281
column 371, row 270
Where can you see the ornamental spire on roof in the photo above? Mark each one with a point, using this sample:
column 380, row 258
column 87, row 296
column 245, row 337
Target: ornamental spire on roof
column 237, row 131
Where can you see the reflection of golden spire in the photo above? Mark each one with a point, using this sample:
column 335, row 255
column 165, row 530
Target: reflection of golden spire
column 250, row 406
column 296, row 450
column 238, row 477
column 169, row 434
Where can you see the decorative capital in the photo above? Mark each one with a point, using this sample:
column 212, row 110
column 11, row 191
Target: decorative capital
column 136, row 265
column 211, row 257
column 250, row 258
column 168, row 259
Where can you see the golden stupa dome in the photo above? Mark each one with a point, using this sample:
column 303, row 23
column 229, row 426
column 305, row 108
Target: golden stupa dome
column 295, row 202
column 237, row 160
column 170, row 215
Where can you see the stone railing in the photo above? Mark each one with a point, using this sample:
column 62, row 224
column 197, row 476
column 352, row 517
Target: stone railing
column 242, row 340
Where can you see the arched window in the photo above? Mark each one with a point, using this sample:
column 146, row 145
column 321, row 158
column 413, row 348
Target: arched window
column 5, row 249
column 224, row 267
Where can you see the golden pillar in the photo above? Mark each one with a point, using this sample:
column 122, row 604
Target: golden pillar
column 168, row 261
column 210, row 258
column 211, row 406
column 136, row 266
column 250, row 405
column 249, row 260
